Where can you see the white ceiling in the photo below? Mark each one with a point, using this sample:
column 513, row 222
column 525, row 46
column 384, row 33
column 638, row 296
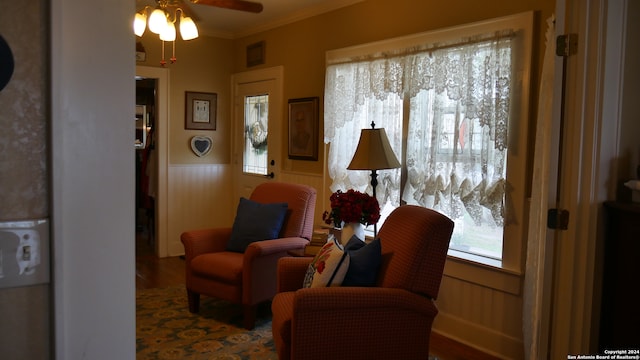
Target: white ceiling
column 227, row 23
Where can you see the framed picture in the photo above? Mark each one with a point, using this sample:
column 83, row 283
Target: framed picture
column 303, row 128
column 200, row 111
column 255, row 54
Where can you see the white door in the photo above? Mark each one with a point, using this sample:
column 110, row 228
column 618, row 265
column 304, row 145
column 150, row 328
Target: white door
column 257, row 128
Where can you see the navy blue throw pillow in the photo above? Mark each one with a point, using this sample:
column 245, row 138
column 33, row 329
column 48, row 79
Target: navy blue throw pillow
column 255, row 222
column 364, row 262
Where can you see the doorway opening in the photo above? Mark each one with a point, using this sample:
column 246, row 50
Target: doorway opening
column 145, row 160
column 152, row 91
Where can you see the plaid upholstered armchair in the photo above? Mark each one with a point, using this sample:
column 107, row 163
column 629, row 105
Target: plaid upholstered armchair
column 246, row 273
column 391, row 320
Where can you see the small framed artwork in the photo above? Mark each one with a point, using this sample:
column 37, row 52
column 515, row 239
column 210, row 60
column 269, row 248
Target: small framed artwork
column 303, row 128
column 200, row 110
column 255, row 54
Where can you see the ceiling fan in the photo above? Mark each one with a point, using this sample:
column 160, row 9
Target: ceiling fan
column 241, row 5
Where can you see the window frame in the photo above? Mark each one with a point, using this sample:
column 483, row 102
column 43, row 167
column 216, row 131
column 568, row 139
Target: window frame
column 515, row 230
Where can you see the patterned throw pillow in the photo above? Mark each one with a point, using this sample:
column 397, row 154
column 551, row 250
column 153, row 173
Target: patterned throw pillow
column 328, row 267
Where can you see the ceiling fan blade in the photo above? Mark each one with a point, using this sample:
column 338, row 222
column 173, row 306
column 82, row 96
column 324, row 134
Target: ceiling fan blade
column 241, row 5
column 185, row 7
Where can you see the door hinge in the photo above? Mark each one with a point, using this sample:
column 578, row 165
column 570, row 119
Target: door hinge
column 567, row 45
column 558, row 219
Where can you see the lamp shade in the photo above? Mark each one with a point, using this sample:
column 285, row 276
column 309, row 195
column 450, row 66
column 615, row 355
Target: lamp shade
column 373, row 152
column 168, row 33
column 139, row 24
column 188, row 29
column 157, row 21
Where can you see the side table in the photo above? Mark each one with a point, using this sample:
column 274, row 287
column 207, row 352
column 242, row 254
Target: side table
column 300, row 253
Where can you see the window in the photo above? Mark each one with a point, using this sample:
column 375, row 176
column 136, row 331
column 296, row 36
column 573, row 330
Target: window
column 459, row 99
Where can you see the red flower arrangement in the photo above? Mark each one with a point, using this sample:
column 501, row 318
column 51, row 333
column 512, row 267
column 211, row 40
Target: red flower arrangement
column 352, row 206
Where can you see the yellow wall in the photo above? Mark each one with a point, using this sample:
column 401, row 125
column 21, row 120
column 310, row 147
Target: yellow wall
column 197, row 191
column 204, row 65
column 300, row 47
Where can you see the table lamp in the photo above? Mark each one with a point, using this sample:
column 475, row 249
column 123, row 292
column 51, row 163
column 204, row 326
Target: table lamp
column 374, row 153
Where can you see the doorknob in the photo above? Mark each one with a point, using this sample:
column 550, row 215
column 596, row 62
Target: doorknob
column 270, row 175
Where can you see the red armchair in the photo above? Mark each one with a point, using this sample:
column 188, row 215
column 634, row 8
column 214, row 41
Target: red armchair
column 390, row 321
column 247, row 278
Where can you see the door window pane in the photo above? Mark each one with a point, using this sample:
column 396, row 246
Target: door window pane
column 256, row 126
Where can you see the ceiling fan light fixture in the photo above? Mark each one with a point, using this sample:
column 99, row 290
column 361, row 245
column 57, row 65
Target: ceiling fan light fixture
column 163, row 20
column 157, row 21
column 188, row 29
column 139, row 24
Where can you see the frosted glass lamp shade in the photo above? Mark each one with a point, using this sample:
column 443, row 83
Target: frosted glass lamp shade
column 188, row 29
column 168, row 33
column 139, row 24
column 157, row 21
column 374, row 152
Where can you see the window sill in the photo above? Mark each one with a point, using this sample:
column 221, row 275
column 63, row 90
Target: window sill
column 482, row 271
column 478, row 270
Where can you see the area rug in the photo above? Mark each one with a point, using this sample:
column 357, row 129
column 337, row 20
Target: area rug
column 165, row 329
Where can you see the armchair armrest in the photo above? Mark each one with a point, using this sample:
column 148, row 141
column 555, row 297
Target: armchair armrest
column 203, row 241
column 291, row 272
column 259, row 264
column 268, row 247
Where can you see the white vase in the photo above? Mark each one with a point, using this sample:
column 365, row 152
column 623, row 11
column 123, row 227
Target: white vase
column 350, row 229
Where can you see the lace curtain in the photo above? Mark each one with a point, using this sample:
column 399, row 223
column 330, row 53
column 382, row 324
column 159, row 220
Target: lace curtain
column 458, row 96
column 351, row 106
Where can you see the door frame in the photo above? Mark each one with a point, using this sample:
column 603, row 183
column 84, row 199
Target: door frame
column 275, row 74
column 161, row 148
column 589, row 152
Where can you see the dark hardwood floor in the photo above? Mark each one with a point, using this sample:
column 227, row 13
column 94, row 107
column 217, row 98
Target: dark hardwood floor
column 445, row 348
column 154, row 272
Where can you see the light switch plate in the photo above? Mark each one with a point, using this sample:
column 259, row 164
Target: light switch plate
column 24, row 253
column 141, row 56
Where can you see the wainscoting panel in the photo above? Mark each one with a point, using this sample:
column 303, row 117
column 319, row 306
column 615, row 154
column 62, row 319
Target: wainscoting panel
column 199, row 197
column 475, row 314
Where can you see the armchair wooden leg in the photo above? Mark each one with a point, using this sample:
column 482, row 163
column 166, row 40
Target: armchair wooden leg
column 249, row 316
column 194, row 301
